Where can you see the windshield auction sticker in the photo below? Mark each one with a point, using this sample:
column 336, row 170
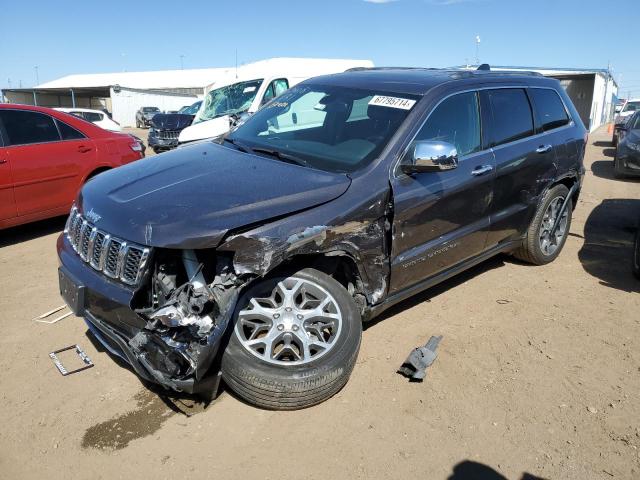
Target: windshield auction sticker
column 393, row 102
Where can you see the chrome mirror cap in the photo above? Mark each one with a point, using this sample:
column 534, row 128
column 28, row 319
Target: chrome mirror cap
column 431, row 156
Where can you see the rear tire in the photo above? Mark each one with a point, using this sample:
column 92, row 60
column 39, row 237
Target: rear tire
column 270, row 374
column 538, row 246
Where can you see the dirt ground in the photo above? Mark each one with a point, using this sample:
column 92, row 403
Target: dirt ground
column 538, row 373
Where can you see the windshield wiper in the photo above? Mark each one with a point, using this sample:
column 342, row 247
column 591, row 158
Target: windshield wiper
column 285, row 157
column 239, row 146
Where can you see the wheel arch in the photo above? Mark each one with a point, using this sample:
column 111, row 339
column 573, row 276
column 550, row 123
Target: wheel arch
column 339, row 265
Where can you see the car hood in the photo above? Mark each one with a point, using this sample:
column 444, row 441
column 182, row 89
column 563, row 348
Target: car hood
column 191, row 197
column 207, row 129
column 171, row 121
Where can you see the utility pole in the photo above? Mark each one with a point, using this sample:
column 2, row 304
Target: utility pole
column 181, row 62
column 37, row 76
column 477, row 49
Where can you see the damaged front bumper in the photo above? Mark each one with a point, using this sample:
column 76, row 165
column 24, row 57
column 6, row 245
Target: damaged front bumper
column 179, row 363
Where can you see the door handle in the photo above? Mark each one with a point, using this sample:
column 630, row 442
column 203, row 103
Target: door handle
column 543, row 148
column 84, row 149
column 2, row 160
column 481, row 170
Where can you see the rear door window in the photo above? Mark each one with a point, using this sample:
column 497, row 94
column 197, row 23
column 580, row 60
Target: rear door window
column 549, row 108
column 68, row 132
column 512, row 118
column 25, row 127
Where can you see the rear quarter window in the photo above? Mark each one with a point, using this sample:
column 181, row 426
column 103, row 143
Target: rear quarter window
column 549, row 108
column 25, row 127
column 68, row 132
column 511, row 116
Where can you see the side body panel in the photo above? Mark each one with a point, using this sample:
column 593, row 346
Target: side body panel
column 440, row 219
column 7, row 201
column 47, row 176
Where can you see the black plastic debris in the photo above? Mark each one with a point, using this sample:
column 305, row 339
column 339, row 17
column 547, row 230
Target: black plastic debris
column 414, row 367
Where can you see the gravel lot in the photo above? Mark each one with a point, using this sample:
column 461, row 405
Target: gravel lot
column 538, row 373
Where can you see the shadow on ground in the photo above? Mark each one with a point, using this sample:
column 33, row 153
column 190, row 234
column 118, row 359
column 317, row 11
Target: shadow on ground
column 31, row 231
column 604, row 169
column 469, row 470
column 607, row 251
column 602, row 143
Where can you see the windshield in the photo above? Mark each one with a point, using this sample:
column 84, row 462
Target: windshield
column 331, row 128
column 150, row 109
column 191, row 109
column 234, row 98
column 631, row 107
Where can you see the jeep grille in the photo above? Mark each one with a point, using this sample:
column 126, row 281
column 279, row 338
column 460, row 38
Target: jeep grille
column 116, row 258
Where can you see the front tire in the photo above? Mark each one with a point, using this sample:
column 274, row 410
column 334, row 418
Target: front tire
column 539, row 246
column 294, row 342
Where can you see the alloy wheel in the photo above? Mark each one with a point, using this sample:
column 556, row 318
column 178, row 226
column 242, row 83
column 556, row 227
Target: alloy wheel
column 297, row 323
column 549, row 242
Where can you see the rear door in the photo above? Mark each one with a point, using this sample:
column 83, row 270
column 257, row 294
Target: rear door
column 442, row 218
column 525, row 162
column 552, row 119
column 7, row 202
column 48, row 159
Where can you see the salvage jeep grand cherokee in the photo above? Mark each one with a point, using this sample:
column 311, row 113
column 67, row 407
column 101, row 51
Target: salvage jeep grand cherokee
column 260, row 256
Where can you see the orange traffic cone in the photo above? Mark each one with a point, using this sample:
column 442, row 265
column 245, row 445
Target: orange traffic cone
column 610, row 128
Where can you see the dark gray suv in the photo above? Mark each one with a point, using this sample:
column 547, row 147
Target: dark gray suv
column 256, row 258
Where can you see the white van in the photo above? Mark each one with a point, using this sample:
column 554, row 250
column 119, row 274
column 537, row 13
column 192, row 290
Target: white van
column 249, row 87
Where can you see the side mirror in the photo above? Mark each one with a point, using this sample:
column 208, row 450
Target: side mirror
column 430, row 156
column 618, row 108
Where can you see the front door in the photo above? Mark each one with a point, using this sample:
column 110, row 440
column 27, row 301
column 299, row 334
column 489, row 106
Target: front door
column 442, row 218
column 46, row 169
column 7, row 203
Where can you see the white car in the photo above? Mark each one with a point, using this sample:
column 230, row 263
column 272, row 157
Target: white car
column 96, row 117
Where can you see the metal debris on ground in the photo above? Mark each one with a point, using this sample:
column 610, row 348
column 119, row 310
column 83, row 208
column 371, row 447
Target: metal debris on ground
column 414, row 367
column 51, row 312
column 83, row 356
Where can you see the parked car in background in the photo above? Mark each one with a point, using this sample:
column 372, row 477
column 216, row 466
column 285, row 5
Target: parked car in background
column 191, row 109
column 627, row 158
column 97, row 117
column 47, row 155
column 244, row 91
column 144, row 116
column 166, row 127
column 345, row 196
column 628, row 108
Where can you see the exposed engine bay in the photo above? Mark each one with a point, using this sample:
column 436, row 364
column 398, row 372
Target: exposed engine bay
column 186, row 316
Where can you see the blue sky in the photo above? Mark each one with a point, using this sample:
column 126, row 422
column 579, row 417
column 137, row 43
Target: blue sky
column 72, row 36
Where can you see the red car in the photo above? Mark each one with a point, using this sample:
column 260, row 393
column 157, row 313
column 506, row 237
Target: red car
column 46, row 156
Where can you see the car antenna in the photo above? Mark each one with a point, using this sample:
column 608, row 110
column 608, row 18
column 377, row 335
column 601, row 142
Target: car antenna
column 484, row 66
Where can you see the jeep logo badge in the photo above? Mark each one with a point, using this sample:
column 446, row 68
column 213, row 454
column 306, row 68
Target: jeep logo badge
column 93, row 216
